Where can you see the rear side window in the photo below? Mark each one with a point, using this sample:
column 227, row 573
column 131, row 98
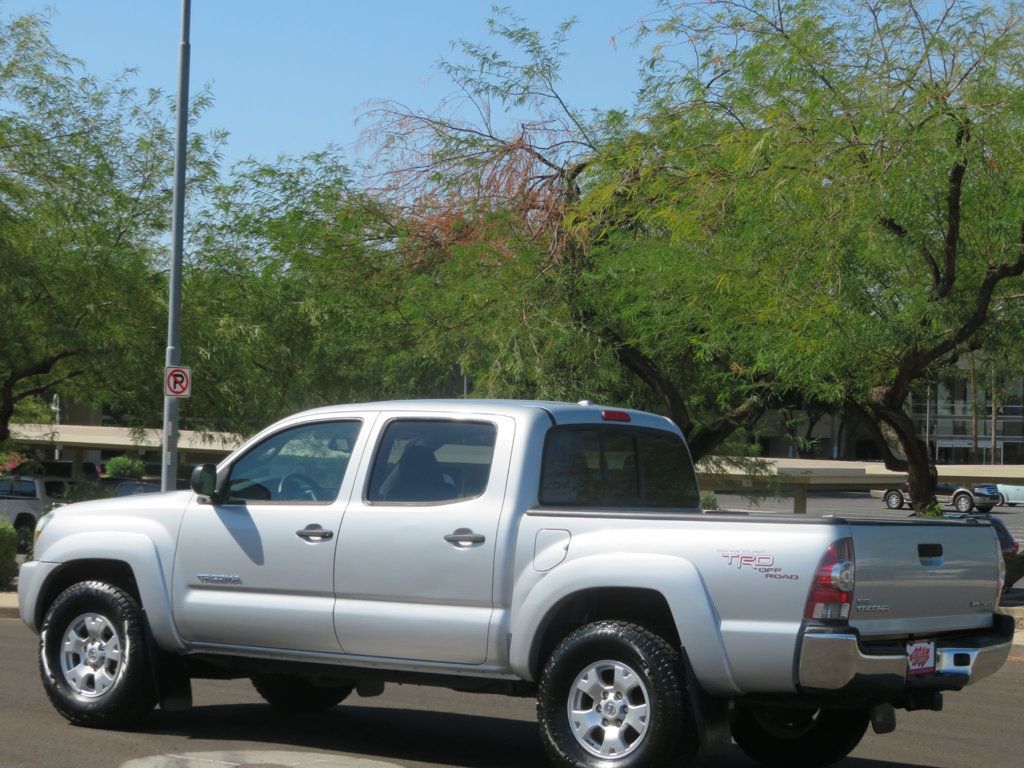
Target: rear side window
column 605, row 466
column 421, row 461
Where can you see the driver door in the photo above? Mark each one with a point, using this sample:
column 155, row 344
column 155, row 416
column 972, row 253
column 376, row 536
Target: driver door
column 258, row 569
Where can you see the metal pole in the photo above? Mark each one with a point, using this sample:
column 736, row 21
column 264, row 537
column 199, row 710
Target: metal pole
column 169, row 459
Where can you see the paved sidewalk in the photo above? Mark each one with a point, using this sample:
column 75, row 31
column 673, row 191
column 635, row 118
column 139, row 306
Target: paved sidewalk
column 8, row 605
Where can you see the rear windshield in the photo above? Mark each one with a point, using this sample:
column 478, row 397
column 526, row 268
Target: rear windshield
column 612, row 466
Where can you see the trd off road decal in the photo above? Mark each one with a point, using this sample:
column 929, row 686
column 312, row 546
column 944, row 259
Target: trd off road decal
column 759, row 562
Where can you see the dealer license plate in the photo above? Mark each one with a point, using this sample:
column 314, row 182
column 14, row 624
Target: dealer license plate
column 920, row 657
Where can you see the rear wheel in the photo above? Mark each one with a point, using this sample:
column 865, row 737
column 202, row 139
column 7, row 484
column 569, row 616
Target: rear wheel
column 93, row 657
column 299, row 694
column 612, row 694
column 894, row 500
column 799, row 738
column 963, row 503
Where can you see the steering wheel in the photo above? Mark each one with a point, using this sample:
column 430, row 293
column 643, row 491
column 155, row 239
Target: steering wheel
column 295, row 486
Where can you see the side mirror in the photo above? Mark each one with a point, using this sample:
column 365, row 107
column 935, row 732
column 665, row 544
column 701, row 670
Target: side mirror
column 204, row 481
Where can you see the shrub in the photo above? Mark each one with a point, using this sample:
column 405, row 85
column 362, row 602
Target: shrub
column 126, row 466
column 8, row 551
column 708, row 500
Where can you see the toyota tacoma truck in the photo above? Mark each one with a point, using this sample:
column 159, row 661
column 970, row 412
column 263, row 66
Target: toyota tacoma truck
column 533, row 549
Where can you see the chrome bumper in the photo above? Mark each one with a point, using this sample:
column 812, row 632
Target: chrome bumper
column 835, row 661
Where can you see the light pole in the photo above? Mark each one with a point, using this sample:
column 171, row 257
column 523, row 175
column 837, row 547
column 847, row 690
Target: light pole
column 169, row 458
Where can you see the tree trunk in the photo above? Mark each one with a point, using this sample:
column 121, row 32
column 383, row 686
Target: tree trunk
column 921, row 472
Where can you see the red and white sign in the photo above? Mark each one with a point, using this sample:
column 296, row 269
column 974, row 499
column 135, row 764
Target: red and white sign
column 921, row 657
column 177, row 381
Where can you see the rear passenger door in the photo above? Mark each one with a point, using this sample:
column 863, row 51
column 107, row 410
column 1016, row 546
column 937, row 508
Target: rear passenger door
column 415, row 558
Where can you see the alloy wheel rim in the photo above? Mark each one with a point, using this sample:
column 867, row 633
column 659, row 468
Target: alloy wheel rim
column 609, row 709
column 91, row 656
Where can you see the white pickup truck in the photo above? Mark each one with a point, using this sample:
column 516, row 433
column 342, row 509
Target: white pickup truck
column 23, row 499
column 526, row 548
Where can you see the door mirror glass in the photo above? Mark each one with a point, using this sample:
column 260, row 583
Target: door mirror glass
column 204, row 479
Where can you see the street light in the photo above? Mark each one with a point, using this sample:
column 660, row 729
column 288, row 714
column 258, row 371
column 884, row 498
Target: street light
column 169, row 458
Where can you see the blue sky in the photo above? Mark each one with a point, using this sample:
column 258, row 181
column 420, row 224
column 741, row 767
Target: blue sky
column 291, row 77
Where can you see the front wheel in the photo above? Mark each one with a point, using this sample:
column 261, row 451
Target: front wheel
column 963, row 503
column 799, row 738
column 894, row 500
column 92, row 657
column 612, row 693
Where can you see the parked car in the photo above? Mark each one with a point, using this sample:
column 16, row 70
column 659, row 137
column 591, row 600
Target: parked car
column 135, row 487
column 57, row 468
column 1010, row 495
column 551, row 549
column 964, row 498
column 23, row 499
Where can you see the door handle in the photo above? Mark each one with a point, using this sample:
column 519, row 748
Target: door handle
column 314, row 533
column 464, row 537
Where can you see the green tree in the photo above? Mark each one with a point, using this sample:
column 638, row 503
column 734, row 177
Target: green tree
column 834, row 193
column 84, row 203
column 529, row 296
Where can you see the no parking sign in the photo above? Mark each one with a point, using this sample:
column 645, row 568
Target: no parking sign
column 177, row 381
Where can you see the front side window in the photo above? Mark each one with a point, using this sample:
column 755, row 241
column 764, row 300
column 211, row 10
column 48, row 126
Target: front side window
column 420, row 461
column 610, row 466
column 301, row 464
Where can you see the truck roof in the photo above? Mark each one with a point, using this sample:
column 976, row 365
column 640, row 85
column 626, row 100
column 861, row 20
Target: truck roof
column 559, row 413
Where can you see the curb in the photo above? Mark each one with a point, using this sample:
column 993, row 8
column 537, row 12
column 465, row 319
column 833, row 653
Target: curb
column 9, row 605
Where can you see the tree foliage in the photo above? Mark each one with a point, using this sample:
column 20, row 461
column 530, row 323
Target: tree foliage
column 834, row 195
column 84, row 201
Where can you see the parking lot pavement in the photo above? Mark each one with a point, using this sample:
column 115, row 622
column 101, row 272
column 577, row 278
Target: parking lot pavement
column 855, row 504
column 413, row 727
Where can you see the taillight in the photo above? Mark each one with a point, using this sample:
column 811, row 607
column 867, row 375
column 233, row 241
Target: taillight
column 615, row 416
column 832, row 589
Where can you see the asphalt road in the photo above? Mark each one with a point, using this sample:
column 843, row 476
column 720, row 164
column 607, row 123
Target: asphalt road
column 415, row 726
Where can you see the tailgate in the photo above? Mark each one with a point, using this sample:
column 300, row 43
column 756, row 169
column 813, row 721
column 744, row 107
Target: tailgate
column 918, row 576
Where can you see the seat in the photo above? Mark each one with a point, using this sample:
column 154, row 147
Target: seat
column 416, row 477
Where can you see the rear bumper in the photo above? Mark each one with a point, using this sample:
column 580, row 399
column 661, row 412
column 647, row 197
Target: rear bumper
column 838, row 662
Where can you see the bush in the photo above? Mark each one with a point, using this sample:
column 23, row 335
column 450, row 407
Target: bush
column 130, row 467
column 8, row 551
column 708, row 500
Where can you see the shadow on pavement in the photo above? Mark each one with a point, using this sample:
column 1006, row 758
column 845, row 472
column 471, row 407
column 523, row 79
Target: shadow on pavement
column 442, row 738
column 446, row 738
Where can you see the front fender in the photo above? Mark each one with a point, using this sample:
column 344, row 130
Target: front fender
column 675, row 578
column 140, row 553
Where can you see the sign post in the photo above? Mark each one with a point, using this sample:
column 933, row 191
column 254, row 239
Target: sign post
column 169, row 453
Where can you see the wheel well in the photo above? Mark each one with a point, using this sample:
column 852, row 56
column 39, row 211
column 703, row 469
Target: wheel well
column 24, row 517
column 646, row 607
column 115, row 572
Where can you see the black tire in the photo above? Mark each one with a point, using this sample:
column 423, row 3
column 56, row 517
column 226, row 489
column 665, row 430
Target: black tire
column 894, row 500
column 130, row 696
column 963, row 503
column 1002, row 501
column 298, row 694
column 793, row 738
column 669, row 735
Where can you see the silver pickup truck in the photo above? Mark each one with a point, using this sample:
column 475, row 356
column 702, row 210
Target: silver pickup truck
column 526, row 548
